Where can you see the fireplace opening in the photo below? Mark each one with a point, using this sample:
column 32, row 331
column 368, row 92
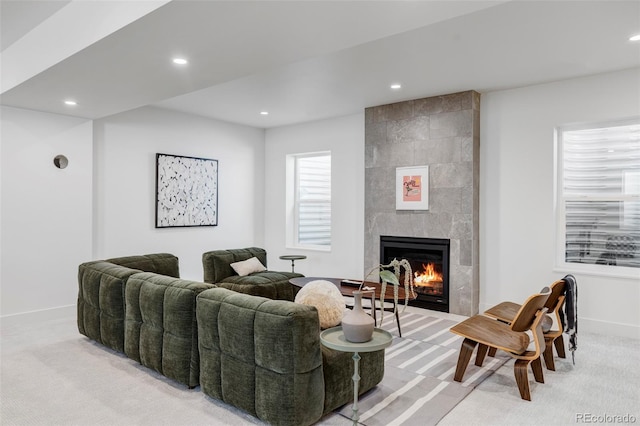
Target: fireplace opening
column 429, row 259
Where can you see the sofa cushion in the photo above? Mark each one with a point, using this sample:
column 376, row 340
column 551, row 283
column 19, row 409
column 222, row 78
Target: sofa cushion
column 274, row 285
column 101, row 304
column 249, row 266
column 100, row 307
column 262, row 356
column 160, row 329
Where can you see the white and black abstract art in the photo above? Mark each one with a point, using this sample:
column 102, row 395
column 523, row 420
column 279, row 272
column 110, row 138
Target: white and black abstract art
column 186, row 191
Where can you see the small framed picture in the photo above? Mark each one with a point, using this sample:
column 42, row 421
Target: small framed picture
column 412, row 188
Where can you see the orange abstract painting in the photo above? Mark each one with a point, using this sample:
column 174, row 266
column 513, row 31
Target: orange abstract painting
column 412, row 188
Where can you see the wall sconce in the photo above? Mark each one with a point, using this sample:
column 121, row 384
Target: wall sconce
column 60, row 161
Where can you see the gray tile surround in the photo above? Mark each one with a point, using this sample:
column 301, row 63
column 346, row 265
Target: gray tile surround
column 442, row 132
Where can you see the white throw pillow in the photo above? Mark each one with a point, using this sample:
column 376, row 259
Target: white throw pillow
column 326, row 297
column 249, row 266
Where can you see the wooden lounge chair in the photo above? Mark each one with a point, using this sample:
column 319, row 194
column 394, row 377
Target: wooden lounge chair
column 512, row 338
column 506, row 312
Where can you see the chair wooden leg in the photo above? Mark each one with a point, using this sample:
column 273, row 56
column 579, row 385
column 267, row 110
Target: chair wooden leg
column 548, row 354
column 466, row 349
column 482, row 352
column 559, row 344
column 398, row 322
column 492, row 351
column 536, row 366
column 522, row 378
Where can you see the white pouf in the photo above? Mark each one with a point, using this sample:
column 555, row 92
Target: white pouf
column 326, row 297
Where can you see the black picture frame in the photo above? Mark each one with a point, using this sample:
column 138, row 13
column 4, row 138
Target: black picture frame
column 186, row 191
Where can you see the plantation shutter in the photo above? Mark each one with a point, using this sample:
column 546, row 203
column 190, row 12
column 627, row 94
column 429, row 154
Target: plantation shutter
column 314, row 200
column 601, row 195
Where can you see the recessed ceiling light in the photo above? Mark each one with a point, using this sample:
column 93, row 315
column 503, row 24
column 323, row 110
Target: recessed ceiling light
column 180, row 61
column 264, row 112
column 396, row 86
column 635, row 38
column 70, row 102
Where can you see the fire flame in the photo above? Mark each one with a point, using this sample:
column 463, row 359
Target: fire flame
column 427, row 275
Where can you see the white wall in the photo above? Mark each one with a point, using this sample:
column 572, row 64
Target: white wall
column 126, row 146
column 46, row 211
column 517, row 235
column 344, row 137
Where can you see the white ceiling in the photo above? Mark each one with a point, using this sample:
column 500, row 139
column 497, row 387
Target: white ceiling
column 20, row 17
column 299, row 60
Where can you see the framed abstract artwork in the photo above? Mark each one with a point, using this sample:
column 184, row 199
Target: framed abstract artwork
column 186, row 191
column 412, row 188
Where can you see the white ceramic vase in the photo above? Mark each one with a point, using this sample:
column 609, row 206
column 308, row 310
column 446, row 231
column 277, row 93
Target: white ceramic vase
column 357, row 325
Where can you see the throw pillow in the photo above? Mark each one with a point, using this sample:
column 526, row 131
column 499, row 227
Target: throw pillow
column 326, row 297
column 249, row 266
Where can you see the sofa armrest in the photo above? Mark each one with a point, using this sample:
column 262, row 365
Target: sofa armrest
column 262, row 356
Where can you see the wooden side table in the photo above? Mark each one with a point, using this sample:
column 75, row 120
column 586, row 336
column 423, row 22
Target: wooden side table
column 333, row 338
column 293, row 258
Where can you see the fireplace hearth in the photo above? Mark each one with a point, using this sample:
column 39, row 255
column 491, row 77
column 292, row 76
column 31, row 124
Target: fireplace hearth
column 429, row 259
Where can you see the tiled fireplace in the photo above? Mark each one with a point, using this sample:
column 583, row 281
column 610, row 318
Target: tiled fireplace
column 443, row 133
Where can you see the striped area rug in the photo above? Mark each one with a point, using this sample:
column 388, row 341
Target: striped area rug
column 418, row 386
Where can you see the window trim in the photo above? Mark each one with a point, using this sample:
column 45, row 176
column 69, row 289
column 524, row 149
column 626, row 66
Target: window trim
column 561, row 265
column 293, row 204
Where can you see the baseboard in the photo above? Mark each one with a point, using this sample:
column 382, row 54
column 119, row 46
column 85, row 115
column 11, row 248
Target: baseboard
column 607, row 327
column 587, row 325
column 590, row 325
column 36, row 317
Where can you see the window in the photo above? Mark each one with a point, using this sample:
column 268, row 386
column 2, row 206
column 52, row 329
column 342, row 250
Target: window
column 599, row 194
column 311, row 224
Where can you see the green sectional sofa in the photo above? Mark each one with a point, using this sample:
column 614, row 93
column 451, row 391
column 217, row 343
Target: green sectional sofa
column 264, row 356
column 271, row 284
column 258, row 354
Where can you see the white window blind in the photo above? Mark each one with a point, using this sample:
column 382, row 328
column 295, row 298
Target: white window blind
column 600, row 194
column 313, row 200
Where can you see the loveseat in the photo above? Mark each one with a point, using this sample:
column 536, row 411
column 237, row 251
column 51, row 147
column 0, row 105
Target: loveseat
column 265, row 357
column 274, row 285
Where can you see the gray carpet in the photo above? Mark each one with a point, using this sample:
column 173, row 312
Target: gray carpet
column 603, row 383
column 51, row 375
column 418, row 386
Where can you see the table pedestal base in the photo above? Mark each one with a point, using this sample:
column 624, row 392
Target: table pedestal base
column 356, row 386
column 333, row 338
